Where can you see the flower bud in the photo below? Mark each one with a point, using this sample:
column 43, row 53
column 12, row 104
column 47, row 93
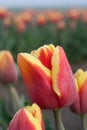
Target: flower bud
column 80, row 104
column 28, row 118
column 8, row 71
column 48, row 77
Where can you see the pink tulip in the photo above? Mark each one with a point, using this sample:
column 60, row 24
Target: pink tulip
column 8, row 71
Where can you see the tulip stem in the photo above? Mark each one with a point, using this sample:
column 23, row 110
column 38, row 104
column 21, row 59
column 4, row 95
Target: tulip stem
column 15, row 100
column 84, row 121
column 58, row 120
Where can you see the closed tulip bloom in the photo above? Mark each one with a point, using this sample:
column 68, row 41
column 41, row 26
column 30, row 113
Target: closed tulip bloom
column 27, row 118
column 80, row 104
column 8, row 70
column 48, row 77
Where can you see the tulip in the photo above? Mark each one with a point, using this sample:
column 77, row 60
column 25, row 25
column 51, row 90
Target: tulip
column 84, row 18
column 7, row 22
column 3, row 13
column 61, row 25
column 26, row 17
column 74, row 14
column 80, row 104
column 41, row 19
column 54, row 16
column 27, row 118
column 48, row 77
column 21, row 26
column 8, row 71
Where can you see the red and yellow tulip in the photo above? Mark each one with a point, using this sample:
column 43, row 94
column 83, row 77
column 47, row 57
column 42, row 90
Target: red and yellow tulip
column 8, row 70
column 28, row 118
column 48, row 77
column 80, row 104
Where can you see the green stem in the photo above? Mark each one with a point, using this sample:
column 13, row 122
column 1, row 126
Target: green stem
column 84, row 121
column 15, row 100
column 58, row 120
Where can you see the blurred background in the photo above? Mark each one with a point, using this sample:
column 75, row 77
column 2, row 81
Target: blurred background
column 25, row 25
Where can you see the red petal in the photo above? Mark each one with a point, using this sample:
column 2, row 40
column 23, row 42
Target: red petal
column 44, row 54
column 38, row 81
column 83, row 97
column 62, row 78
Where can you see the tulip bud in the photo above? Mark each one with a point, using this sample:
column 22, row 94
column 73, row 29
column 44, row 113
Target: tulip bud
column 41, row 20
column 28, row 118
column 61, row 25
column 3, row 13
column 80, row 104
column 7, row 22
column 8, row 71
column 48, row 77
column 74, row 14
column 21, row 26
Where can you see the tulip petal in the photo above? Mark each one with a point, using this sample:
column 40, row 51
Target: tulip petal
column 82, row 86
column 44, row 54
column 81, row 79
column 78, row 73
column 75, row 107
column 62, row 78
column 35, row 116
column 38, row 81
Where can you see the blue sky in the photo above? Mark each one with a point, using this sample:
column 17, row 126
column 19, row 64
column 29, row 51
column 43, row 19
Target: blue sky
column 36, row 3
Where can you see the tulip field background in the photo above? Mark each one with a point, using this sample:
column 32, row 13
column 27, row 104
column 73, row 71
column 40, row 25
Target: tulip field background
column 26, row 30
column 22, row 31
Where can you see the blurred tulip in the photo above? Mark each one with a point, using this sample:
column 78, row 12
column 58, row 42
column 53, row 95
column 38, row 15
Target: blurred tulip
column 74, row 14
column 26, row 17
column 21, row 26
column 41, row 19
column 48, row 77
column 28, row 118
column 17, row 19
column 80, row 104
column 8, row 71
column 61, row 25
column 84, row 16
column 3, row 13
column 54, row 16
column 7, row 22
